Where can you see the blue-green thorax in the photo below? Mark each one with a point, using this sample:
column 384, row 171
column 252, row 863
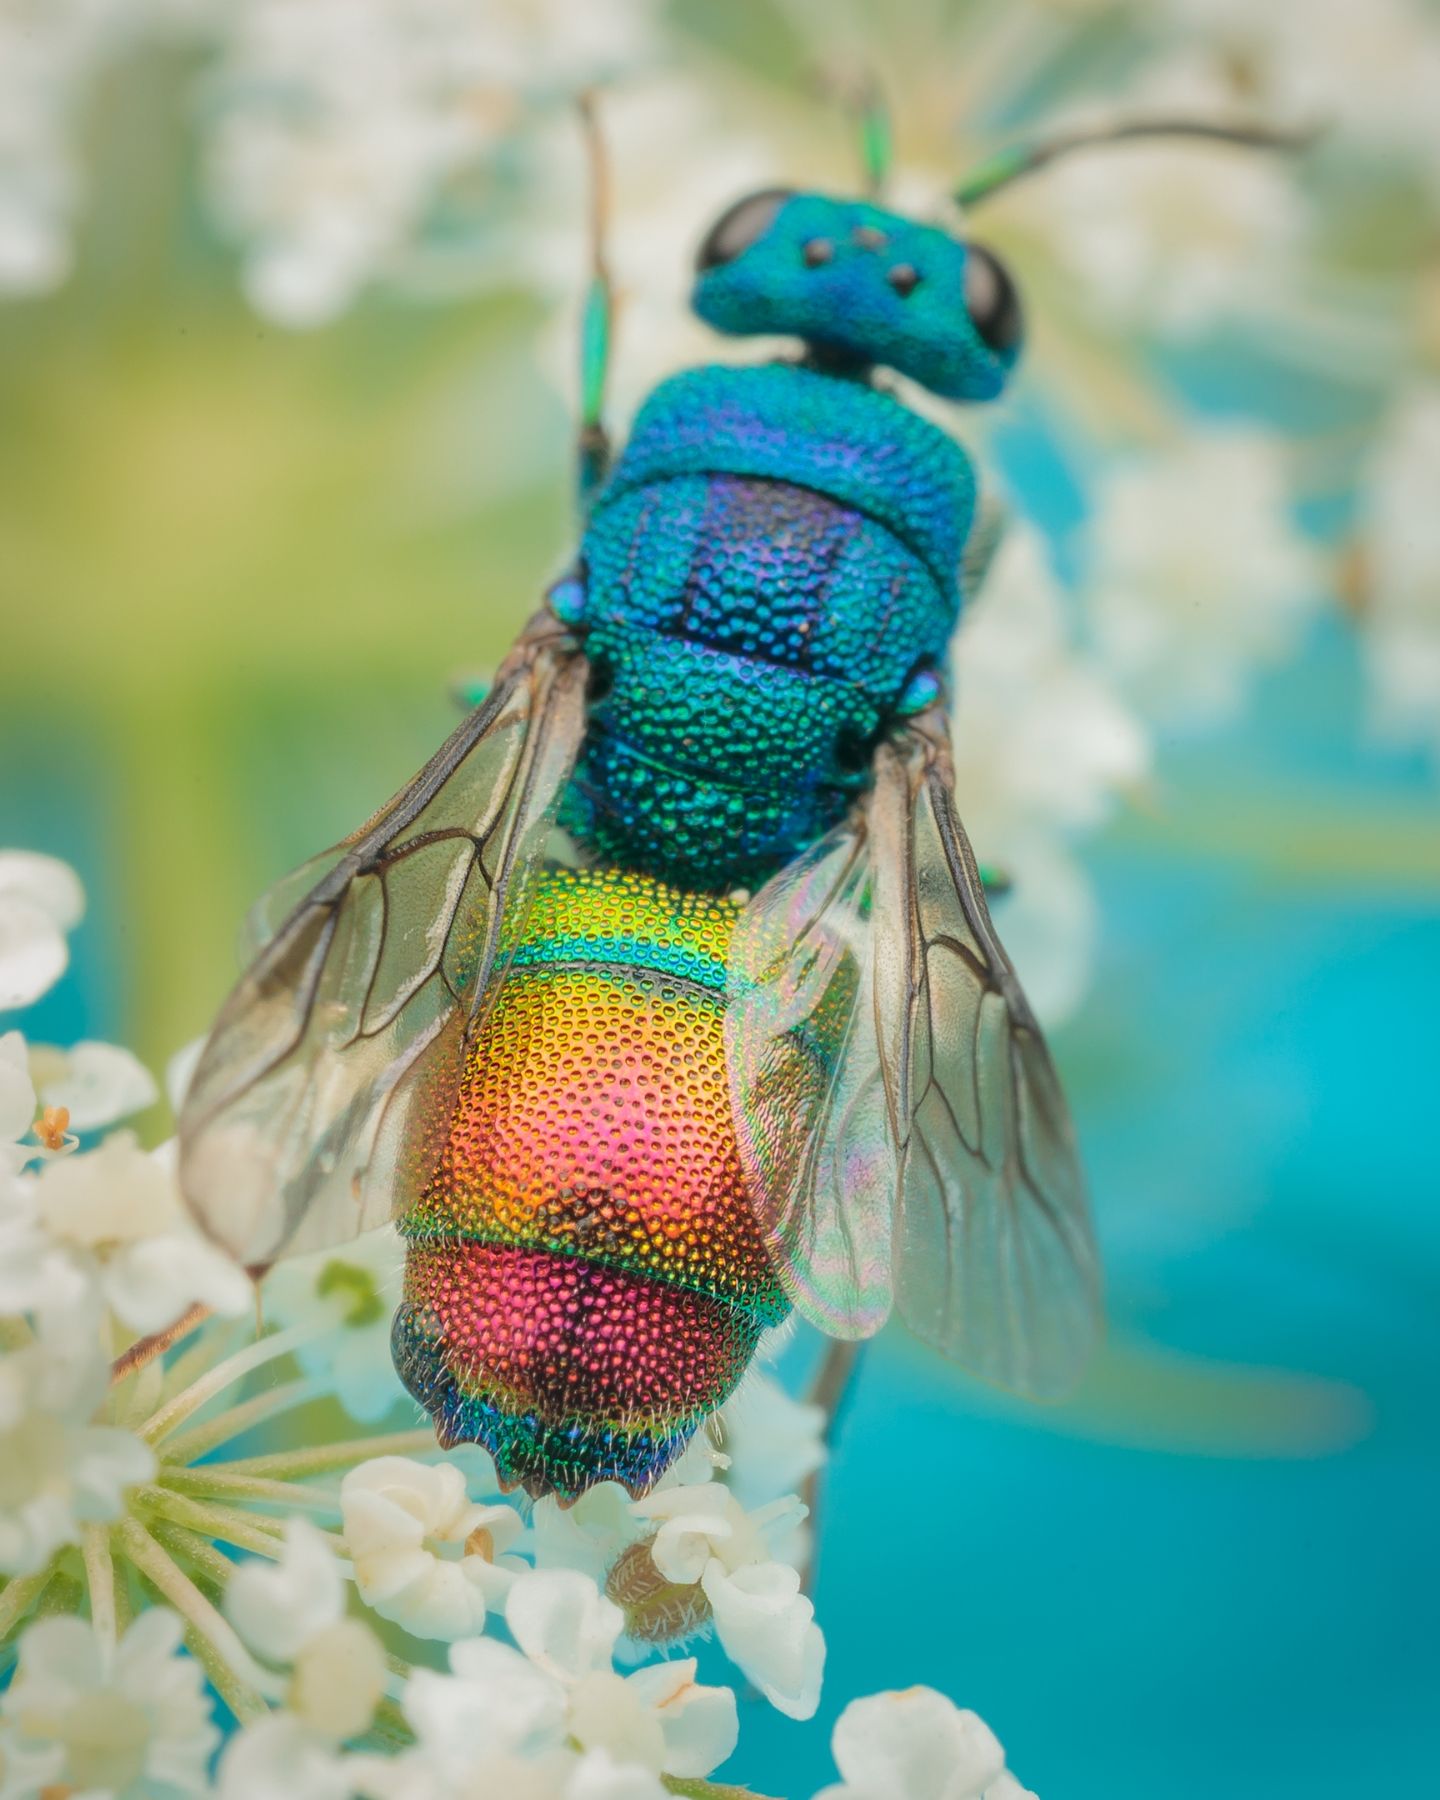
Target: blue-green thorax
column 772, row 560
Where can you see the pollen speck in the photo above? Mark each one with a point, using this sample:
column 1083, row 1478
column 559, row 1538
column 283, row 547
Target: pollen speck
column 52, row 1125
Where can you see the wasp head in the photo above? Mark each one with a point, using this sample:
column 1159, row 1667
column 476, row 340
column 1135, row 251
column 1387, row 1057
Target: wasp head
column 862, row 287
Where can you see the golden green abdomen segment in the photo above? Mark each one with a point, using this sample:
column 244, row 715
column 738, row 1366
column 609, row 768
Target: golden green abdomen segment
column 585, row 1280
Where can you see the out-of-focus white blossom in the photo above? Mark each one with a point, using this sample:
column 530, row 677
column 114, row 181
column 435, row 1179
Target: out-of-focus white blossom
column 293, row 1613
column 97, row 1084
column 345, row 129
column 587, row 1535
column 1402, row 592
column 1043, row 747
column 109, row 1722
column 1369, row 72
column 554, row 1722
column 919, row 1744
column 115, row 1215
column 765, row 1625
column 279, row 1755
column 775, row 1442
column 425, row 1555
column 1170, row 237
column 50, row 54
column 348, row 1297
column 1197, row 573
column 58, row 1471
column 17, row 1102
column 40, row 897
column 657, row 1718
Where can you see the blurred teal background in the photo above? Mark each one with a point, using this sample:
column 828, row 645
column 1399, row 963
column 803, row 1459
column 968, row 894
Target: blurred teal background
column 237, row 570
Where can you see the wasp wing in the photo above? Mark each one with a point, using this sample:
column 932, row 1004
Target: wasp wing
column 994, row 1255
column 326, row 1085
column 899, row 1119
column 806, row 1092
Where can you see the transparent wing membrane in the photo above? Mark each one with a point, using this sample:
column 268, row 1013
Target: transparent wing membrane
column 899, row 1117
column 806, row 1088
column 325, row 1088
column 994, row 1258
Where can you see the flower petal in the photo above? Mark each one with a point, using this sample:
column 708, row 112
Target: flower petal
column 338, row 1679
column 44, row 882
column 18, row 1104
column 100, row 1083
column 495, row 1701
column 700, row 1724
column 562, row 1622
column 33, row 953
column 598, row 1776
column 278, row 1607
column 916, row 1743
column 767, row 1628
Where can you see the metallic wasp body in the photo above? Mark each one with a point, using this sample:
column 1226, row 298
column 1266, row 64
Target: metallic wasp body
column 753, row 1044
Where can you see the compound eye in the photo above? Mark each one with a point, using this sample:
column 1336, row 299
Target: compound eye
column 738, row 229
column 992, row 301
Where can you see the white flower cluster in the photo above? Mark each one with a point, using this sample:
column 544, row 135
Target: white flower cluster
column 122, row 1470
column 92, row 1241
column 360, row 140
column 548, row 1718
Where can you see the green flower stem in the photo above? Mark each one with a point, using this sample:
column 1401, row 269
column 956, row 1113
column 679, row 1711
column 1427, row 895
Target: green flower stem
column 215, row 1479
column 206, row 1349
column 390, row 1726
column 208, row 1564
column 708, row 1790
column 254, row 1356
column 295, row 1464
column 262, row 1535
column 242, row 1701
column 19, row 1595
column 190, row 1446
column 244, row 1681
column 100, row 1578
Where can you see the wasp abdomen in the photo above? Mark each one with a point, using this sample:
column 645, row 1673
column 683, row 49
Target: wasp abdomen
column 585, row 1278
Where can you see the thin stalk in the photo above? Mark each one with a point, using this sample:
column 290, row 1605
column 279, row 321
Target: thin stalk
column 19, row 1595
column 223, row 1375
column 212, row 1631
column 226, row 1523
column 145, row 1350
column 242, row 1701
column 389, row 1729
column 293, row 1464
column 190, row 1446
column 203, row 1352
column 211, row 1565
column 100, row 1579
column 214, row 1479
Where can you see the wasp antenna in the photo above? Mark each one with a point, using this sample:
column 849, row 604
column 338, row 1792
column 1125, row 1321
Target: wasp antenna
column 877, row 144
column 1020, row 160
column 598, row 316
column 862, row 100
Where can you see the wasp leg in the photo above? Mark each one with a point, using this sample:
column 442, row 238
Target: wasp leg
column 831, row 1392
column 592, row 447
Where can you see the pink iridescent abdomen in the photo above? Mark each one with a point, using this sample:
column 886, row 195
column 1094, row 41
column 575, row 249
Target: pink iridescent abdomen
column 585, row 1280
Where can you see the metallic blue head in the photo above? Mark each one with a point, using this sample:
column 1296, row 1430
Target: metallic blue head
column 862, row 287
